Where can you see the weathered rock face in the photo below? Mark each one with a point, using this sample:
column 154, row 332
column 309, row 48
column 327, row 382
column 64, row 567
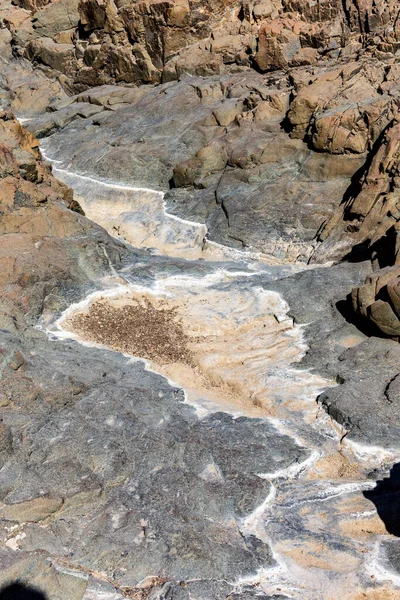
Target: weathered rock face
column 109, row 493
column 367, row 226
column 337, row 109
column 378, row 300
column 36, row 224
column 370, row 214
column 66, row 393
column 339, row 95
column 97, row 42
column 342, row 110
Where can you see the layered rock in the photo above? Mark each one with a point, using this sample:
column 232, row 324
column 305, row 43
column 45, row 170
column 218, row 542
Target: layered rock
column 378, row 300
column 219, row 144
column 367, row 225
column 342, row 110
column 39, row 233
column 370, row 212
column 334, row 106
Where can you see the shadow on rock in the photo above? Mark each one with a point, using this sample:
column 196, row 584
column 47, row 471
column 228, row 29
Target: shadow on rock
column 19, row 591
column 386, row 497
column 364, row 325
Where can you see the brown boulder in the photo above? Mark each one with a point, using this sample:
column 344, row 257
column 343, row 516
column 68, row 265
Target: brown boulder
column 278, row 44
column 341, row 110
column 60, row 57
column 378, row 300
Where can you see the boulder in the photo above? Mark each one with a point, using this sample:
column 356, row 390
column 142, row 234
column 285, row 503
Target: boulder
column 57, row 17
column 378, row 300
column 278, row 44
column 60, row 57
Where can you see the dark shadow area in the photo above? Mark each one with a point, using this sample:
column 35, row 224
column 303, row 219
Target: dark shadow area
column 242, row 13
column 84, row 33
column 255, row 67
column 385, row 249
column 366, row 326
column 286, row 125
column 386, row 497
column 357, row 179
column 346, row 12
column 359, row 253
column 19, row 591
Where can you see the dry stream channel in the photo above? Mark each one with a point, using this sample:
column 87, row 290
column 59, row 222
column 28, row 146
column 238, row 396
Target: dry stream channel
column 205, row 322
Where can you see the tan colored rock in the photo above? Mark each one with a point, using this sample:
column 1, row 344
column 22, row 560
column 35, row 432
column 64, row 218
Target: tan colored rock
column 108, row 63
column 165, row 28
column 371, row 215
column 378, row 300
column 65, row 37
column 36, row 221
column 60, row 57
column 161, row 34
column 16, row 19
column 265, row 9
column 343, row 110
column 311, row 98
column 277, row 45
column 32, row 4
column 324, row 10
column 32, row 510
column 196, row 61
column 227, row 112
column 305, row 56
column 232, row 45
column 19, row 24
column 210, row 159
column 57, row 17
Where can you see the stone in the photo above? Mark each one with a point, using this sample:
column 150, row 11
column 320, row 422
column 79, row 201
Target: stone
column 34, row 510
column 56, row 17
column 277, row 46
column 37, row 571
column 57, row 56
column 241, row 143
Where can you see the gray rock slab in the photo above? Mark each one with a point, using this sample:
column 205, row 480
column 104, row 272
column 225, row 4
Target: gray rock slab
column 366, row 401
column 133, row 482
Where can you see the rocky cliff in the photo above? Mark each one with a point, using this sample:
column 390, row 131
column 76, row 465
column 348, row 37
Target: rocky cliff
column 99, row 42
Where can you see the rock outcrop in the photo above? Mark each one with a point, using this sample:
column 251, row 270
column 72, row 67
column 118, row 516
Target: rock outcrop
column 55, row 398
column 367, row 226
column 97, row 42
column 40, row 231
